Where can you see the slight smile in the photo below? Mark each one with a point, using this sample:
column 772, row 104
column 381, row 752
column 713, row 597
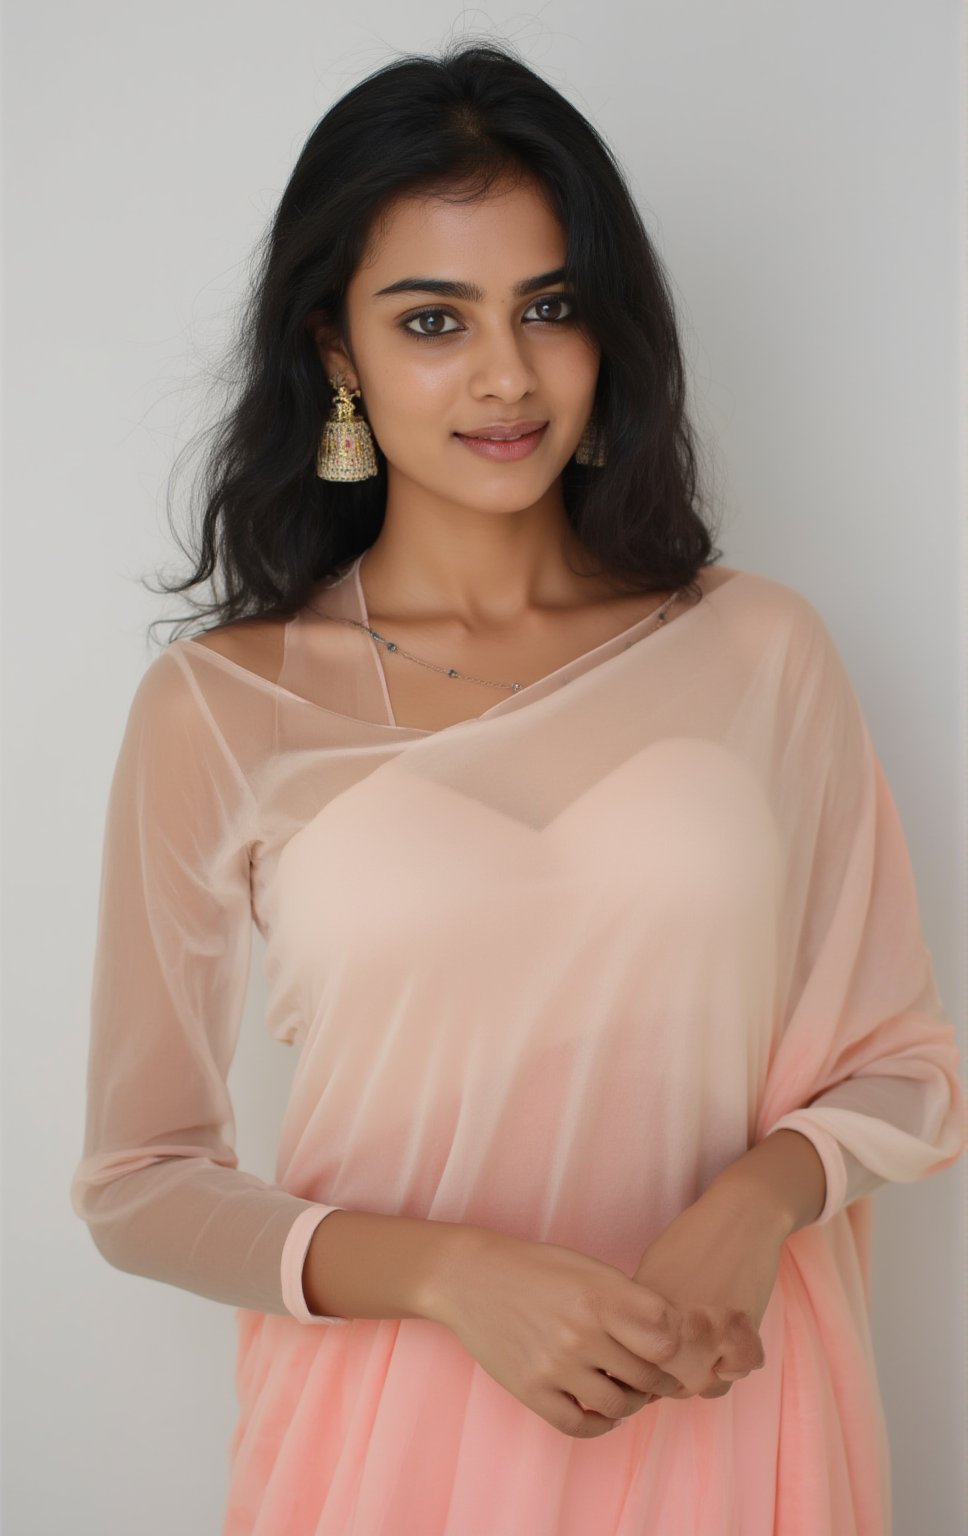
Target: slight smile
column 504, row 448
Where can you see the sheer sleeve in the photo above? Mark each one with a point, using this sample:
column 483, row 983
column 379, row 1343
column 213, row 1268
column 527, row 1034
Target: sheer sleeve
column 867, row 1065
column 158, row 1183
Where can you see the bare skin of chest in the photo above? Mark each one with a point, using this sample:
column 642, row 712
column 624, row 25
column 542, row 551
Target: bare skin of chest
column 429, row 700
column 424, row 699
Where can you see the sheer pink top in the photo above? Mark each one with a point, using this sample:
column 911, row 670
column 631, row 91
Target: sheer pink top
column 547, row 970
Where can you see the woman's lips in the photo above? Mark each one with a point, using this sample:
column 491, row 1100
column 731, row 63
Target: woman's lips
column 498, row 448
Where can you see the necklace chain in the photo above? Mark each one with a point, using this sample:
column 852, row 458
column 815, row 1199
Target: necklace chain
column 391, row 645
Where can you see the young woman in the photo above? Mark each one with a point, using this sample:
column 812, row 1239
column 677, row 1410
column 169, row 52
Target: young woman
column 585, row 898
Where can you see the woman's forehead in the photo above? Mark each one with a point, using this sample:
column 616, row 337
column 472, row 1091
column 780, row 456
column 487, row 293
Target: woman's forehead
column 506, row 235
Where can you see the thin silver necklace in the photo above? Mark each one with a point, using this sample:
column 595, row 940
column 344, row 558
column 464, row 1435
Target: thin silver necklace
column 659, row 615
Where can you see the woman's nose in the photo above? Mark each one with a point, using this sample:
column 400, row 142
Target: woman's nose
column 501, row 365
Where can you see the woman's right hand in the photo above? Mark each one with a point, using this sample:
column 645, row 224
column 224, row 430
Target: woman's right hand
column 554, row 1326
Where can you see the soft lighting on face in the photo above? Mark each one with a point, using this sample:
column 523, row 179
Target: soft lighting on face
column 498, row 340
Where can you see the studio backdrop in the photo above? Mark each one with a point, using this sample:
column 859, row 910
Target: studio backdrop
column 801, row 169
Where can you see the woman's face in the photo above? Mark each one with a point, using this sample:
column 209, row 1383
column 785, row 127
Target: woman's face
column 430, row 365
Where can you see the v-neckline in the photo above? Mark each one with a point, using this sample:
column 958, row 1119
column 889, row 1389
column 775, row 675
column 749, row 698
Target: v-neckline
column 588, row 661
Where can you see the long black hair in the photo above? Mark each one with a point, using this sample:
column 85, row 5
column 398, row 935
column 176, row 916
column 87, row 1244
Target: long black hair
column 450, row 124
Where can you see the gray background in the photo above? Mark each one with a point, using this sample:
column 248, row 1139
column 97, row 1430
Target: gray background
column 801, row 168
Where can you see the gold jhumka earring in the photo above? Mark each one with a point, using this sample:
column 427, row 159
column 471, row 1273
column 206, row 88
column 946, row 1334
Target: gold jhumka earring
column 590, row 450
column 345, row 449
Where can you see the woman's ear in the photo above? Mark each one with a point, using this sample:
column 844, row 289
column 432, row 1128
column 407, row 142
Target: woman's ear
column 330, row 349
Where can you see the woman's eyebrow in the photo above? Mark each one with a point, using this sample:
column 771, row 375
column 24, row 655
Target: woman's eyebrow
column 444, row 288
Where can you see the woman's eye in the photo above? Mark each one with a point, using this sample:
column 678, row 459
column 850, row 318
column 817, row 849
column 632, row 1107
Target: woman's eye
column 553, row 299
column 426, row 314
column 436, row 318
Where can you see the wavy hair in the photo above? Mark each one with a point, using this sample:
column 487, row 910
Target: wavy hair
column 449, row 125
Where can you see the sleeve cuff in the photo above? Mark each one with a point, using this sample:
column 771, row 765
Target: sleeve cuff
column 294, row 1253
column 830, row 1154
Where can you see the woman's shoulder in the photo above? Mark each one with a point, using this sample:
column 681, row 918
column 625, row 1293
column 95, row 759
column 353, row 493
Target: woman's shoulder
column 770, row 622
column 199, row 684
column 254, row 644
column 767, row 597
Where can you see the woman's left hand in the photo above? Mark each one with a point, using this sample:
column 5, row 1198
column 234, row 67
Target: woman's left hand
column 721, row 1253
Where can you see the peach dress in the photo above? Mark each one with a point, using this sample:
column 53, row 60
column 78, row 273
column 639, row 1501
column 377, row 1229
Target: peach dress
column 546, row 971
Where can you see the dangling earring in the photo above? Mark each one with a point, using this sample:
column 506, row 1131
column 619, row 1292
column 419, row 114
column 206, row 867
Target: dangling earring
column 345, row 449
column 589, row 450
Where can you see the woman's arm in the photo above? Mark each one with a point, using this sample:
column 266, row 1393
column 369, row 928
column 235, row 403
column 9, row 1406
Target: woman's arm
column 865, row 1061
column 370, row 1265
column 158, row 1183
column 782, row 1177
